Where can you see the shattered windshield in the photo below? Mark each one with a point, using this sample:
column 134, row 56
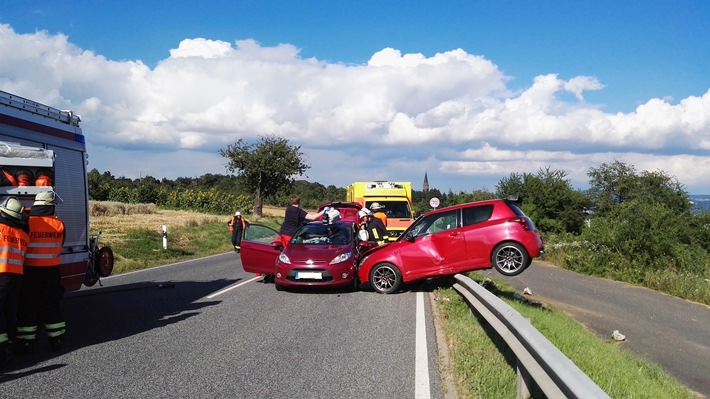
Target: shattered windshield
column 324, row 234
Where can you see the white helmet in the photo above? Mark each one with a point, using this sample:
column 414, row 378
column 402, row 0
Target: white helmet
column 363, row 212
column 13, row 208
column 375, row 206
column 47, row 198
column 237, row 213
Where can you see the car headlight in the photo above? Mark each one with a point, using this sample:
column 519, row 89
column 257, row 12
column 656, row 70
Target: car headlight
column 284, row 259
column 340, row 258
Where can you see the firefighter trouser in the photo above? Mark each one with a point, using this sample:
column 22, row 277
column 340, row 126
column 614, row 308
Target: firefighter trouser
column 9, row 294
column 40, row 298
column 237, row 238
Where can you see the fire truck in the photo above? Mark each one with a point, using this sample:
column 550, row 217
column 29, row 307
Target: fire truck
column 394, row 198
column 43, row 148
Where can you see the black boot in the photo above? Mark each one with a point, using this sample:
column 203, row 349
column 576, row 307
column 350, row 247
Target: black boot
column 55, row 344
column 24, row 346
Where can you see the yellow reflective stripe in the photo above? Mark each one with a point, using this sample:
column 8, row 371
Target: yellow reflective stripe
column 61, row 324
column 3, row 338
column 27, row 329
column 55, row 329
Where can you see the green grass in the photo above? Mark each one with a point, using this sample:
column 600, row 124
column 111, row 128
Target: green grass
column 484, row 366
column 140, row 248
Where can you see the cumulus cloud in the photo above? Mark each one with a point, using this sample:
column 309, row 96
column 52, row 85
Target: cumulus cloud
column 451, row 114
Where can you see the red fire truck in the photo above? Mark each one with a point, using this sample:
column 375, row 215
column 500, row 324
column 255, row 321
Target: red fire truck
column 43, row 148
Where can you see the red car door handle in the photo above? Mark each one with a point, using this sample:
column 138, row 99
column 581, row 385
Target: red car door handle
column 454, row 234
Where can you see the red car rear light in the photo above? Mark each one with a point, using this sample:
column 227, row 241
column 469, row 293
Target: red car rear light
column 522, row 221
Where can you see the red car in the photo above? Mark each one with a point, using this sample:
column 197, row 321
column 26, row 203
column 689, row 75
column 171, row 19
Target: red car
column 455, row 239
column 321, row 253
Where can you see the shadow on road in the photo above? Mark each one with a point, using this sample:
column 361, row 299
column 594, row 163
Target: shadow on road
column 105, row 314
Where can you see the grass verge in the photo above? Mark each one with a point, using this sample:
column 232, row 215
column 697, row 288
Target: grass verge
column 134, row 233
column 484, row 366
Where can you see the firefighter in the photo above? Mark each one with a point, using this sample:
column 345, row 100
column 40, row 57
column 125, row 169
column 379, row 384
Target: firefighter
column 42, row 290
column 237, row 225
column 378, row 212
column 375, row 229
column 14, row 237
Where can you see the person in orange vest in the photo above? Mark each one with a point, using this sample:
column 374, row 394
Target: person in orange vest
column 378, row 212
column 237, row 226
column 14, row 238
column 42, row 290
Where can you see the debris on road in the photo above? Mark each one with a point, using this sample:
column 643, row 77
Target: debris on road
column 617, row 336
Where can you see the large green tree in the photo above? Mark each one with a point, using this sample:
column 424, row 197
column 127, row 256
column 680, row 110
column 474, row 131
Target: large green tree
column 618, row 182
column 266, row 166
column 548, row 198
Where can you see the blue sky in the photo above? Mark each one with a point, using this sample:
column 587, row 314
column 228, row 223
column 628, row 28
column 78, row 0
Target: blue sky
column 465, row 91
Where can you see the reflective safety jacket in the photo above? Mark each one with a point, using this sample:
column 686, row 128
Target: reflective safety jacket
column 234, row 222
column 13, row 246
column 46, row 241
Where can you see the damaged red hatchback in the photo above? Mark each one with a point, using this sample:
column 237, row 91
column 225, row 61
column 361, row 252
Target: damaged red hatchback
column 321, row 253
column 455, row 239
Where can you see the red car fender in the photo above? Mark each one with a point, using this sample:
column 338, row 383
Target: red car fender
column 374, row 256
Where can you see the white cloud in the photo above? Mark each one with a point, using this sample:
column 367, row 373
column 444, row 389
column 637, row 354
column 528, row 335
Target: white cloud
column 400, row 115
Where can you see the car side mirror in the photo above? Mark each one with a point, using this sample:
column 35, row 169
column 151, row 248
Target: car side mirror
column 409, row 237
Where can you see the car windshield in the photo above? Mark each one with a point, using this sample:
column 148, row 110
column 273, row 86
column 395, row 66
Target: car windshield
column 394, row 209
column 323, row 234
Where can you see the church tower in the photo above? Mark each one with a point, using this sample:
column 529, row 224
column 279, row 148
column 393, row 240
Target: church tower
column 425, row 186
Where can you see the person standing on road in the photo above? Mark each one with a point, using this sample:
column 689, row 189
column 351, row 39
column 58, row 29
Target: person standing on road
column 294, row 217
column 237, row 226
column 42, row 291
column 14, row 238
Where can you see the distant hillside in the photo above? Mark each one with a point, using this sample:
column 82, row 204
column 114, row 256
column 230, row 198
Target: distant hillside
column 701, row 202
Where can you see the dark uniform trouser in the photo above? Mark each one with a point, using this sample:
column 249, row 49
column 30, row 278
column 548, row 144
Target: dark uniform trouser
column 237, row 238
column 9, row 293
column 40, row 298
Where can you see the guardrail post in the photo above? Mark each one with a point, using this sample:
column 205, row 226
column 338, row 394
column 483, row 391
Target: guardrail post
column 524, row 380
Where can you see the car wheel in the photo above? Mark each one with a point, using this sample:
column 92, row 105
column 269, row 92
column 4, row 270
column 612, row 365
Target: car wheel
column 385, row 278
column 510, row 259
column 278, row 286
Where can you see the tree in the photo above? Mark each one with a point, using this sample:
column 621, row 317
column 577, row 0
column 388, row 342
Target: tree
column 266, row 166
column 617, row 183
column 548, row 198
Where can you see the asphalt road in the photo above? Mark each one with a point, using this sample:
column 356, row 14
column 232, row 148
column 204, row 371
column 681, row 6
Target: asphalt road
column 671, row 332
column 207, row 329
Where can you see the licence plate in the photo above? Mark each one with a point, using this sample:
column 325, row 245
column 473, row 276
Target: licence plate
column 310, row 275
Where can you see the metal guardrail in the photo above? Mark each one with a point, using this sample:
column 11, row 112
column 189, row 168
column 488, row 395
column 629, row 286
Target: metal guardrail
column 538, row 358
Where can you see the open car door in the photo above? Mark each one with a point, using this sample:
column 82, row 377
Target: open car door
column 258, row 253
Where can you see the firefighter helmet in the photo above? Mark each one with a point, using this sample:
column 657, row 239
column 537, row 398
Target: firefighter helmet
column 13, row 208
column 375, row 206
column 47, row 198
column 363, row 212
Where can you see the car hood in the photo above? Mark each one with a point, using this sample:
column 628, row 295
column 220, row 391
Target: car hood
column 302, row 253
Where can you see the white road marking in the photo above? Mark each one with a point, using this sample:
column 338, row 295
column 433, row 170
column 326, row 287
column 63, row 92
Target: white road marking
column 231, row 287
column 421, row 359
